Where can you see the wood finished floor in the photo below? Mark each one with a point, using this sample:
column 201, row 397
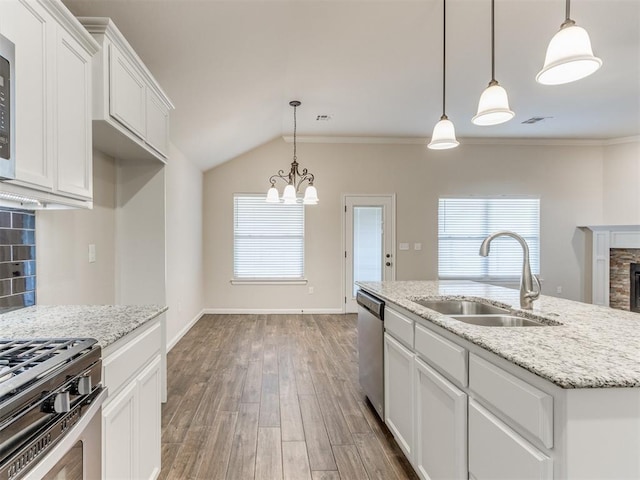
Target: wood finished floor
column 272, row 397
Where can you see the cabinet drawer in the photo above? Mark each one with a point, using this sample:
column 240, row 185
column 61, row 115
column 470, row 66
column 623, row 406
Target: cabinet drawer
column 127, row 361
column 496, row 451
column 446, row 356
column 399, row 326
column 528, row 407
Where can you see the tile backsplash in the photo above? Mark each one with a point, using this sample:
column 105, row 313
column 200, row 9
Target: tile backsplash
column 17, row 259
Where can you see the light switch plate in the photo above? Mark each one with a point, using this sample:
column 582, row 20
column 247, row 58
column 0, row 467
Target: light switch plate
column 404, row 246
column 417, row 246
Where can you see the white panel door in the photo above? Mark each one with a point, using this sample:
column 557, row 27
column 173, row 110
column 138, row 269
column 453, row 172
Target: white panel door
column 157, row 123
column 497, row 452
column 32, row 31
column 127, row 93
column 149, row 402
column 398, row 393
column 73, row 113
column 441, row 426
column 369, row 242
column 119, row 435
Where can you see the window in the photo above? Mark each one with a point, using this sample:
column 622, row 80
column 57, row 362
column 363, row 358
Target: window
column 268, row 239
column 464, row 222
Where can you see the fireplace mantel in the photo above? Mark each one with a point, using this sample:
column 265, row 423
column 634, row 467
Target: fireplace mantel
column 604, row 238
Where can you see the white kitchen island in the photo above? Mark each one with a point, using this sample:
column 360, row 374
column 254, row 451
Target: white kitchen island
column 466, row 401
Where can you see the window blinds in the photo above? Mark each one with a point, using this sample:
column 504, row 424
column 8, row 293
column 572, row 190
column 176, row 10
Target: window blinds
column 463, row 223
column 268, row 239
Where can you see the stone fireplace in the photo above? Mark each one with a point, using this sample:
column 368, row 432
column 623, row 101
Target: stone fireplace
column 620, row 278
column 611, row 249
column 634, row 276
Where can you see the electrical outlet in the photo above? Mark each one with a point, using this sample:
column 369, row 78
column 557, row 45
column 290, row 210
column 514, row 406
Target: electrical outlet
column 558, row 289
column 404, row 246
column 417, row 246
column 92, row 253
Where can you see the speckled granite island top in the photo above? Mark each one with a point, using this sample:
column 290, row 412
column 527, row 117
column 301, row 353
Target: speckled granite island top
column 105, row 323
column 595, row 346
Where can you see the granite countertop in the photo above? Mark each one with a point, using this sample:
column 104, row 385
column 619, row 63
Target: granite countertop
column 105, row 323
column 594, row 347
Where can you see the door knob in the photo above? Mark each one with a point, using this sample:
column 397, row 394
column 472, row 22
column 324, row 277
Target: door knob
column 388, row 255
column 388, row 264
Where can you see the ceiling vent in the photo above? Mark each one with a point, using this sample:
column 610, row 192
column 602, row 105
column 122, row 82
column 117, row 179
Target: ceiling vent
column 535, row 119
column 323, row 118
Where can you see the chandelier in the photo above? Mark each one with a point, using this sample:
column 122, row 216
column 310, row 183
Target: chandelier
column 294, row 179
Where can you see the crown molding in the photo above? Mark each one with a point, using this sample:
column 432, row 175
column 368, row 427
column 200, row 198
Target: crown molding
column 555, row 142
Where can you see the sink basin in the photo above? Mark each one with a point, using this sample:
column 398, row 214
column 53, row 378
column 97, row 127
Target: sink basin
column 461, row 307
column 498, row 321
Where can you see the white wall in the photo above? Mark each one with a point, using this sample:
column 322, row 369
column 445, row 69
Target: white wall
column 622, row 184
column 64, row 274
column 567, row 178
column 184, row 245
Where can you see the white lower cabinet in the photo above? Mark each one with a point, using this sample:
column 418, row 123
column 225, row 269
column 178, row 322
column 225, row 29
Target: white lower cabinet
column 497, row 452
column 398, row 392
column 118, row 426
column 131, row 416
column 440, row 426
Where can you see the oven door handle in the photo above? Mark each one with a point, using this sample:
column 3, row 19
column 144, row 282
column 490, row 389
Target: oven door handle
column 77, row 432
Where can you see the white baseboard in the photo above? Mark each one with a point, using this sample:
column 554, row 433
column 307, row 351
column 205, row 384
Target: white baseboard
column 276, row 311
column 184, row 331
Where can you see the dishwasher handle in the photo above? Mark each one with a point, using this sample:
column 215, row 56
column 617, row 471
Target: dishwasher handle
column 371, row 303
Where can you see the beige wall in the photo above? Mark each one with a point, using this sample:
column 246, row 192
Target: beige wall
column 568, row 180
column 64, row 274
column 184, row 245
column 130, row 224
column 622, row 184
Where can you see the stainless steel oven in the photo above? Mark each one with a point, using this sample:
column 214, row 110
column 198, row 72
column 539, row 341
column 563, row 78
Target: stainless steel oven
column 7, row 109
column 50, row 409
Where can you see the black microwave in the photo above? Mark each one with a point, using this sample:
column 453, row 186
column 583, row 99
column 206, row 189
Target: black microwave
column 7, row 109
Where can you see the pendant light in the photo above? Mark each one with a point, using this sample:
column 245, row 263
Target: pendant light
column 294, row 178
column 569, row 55
column 493, row 107
column 444, row 133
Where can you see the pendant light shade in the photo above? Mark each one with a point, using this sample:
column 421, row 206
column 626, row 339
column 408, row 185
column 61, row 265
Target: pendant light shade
column 493, row 107
column 444, row 133
column 569, row 55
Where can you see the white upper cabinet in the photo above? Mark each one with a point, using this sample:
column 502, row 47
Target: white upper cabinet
column 130, row 109
column 157, row 123
column 73, row 118
column 53, row 102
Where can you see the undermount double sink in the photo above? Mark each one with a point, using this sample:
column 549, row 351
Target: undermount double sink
column 477, row 313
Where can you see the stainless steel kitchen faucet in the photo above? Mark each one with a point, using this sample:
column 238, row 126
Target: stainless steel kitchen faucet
column 527, row 280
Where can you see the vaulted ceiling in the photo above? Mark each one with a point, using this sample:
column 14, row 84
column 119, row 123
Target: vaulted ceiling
column 374, row 67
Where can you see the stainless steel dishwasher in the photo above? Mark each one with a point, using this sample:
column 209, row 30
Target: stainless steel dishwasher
column 371, row 348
